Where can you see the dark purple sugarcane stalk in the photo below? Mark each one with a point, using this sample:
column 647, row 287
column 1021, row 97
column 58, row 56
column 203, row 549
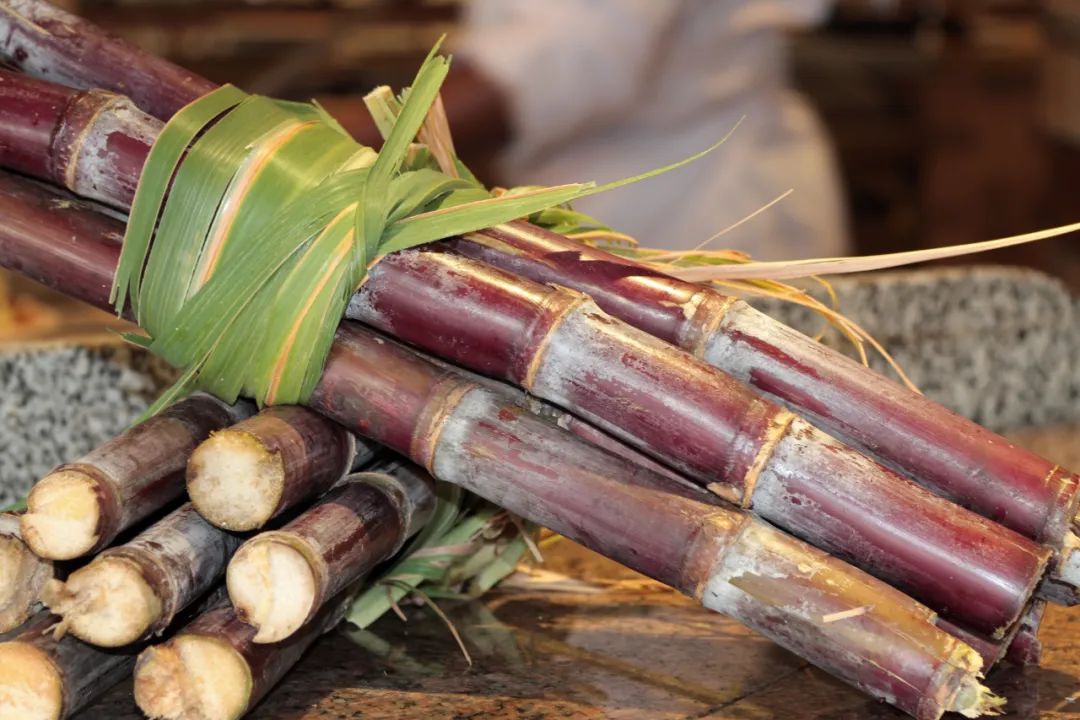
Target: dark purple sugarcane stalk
column 22, row 575
column 45, row 677
column 44, row 114
column 1015, row 645
column 938, row 448
column 134, row 591
column 213, row 668
column 559, row 346
column 1026, row 648
column 280, row 579
column 245, row 475
column 485, row 442
column 41, row 39
column 82, row 506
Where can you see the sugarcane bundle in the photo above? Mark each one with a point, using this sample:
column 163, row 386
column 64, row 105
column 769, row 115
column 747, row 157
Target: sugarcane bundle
column 216, row 175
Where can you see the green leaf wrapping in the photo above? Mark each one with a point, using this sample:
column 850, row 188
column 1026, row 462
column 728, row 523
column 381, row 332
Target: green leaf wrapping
column 255, row 220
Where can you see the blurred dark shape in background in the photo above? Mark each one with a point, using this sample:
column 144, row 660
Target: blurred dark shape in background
column 953, row 121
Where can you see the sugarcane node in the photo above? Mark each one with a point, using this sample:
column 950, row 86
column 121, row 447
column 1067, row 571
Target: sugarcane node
column 555, row 309
column 425, row 438
column 704, row 313
column 67, row 513
column 235, row 481
column 778, row 428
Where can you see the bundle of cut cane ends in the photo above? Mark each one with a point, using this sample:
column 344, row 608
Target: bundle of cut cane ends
column 883, row 538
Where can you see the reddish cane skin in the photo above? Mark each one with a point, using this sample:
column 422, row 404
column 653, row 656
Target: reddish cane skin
column 916, row 545
column 501, row 340
column 377, row 388
column 553, row 470
column 707, row 424
column 58, row 242
column 314, row 452
column 147, row 463
column 500, row 323
column 722, row 448
column 975, row 467
column 642, row 297
column 956, row 457
column 43, row 124
column 30, row 112
column 41, row 39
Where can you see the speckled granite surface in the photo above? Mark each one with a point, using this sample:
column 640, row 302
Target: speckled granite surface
column 58, row 401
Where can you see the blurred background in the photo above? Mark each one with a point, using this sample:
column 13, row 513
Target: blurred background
column 898, row 124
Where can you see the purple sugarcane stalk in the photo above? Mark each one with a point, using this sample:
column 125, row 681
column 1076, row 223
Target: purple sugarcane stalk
column 120, row 483
column 468, row 434
column 559, row 346
column 280, row 579
column 288, row 456
column 43, row 40
column 938, row 448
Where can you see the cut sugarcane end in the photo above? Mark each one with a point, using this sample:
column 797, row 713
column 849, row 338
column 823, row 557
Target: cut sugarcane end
column 973, row 699
column 108, row 603
column 272, row 587
column 192, row 676
column 30, row 685
column 234, row 481
column 62, row 516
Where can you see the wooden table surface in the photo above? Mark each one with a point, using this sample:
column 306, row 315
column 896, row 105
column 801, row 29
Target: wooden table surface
column 585, row 638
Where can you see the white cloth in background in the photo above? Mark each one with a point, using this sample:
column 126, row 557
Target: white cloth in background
column 603, row 89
